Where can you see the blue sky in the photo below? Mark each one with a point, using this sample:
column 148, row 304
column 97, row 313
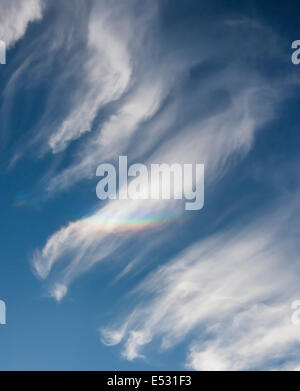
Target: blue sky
column 135, row 285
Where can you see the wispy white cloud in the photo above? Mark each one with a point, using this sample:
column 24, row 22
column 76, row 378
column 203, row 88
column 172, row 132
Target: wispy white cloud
column 261, row 336
column 234, row 288
column 121, row 60
column 213, row 140
column 155, row 105
column 107, row 70
column 116, row 133
column 99, row 44
column 116, row 34
column 15, row 16
column 159, row 111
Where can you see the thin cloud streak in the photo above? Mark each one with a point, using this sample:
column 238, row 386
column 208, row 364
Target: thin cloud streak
column 107, row 72
column 15, row 17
